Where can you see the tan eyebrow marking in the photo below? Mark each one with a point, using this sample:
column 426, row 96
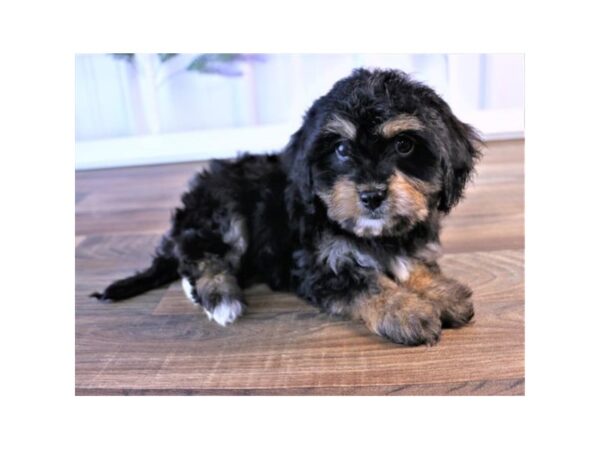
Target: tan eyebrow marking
column 341, row 126
column 400, row 123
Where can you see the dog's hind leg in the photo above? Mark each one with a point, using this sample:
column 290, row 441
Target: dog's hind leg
column 210, row 284
column 162, row 271
column 210, row 280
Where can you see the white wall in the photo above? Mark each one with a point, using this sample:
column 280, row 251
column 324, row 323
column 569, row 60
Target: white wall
column 152, row 112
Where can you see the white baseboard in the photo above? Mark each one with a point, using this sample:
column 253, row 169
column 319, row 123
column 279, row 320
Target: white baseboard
column 497, row 124
column 228, row 143
column 180, row 147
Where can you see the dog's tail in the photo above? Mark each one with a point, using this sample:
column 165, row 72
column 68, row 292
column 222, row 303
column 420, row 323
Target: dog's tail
column 162, row 271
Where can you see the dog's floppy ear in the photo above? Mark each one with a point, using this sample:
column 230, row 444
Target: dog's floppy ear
column 462, row 150
column 299, row 194
column 296, row 159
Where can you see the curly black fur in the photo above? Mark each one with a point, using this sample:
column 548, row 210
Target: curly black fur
column 297, row 220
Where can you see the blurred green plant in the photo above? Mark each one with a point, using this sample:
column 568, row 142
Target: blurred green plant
column 214, row 63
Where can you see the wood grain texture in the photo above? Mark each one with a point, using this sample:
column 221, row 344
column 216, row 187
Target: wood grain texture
column 160, row 344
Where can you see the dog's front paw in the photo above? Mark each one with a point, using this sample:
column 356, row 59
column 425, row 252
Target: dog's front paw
column 457, row 308
column 413, row 321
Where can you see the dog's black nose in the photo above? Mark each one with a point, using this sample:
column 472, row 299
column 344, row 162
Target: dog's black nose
column 372, row 199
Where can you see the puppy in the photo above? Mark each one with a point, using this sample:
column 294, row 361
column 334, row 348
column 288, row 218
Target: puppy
column 347, row 216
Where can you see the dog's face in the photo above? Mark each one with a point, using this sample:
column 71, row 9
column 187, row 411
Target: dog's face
column 375, row 175
column 381, row 153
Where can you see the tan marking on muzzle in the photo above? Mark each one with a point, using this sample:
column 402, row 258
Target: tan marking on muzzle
column 408, row 197
column 342, row 201
column 403, row 122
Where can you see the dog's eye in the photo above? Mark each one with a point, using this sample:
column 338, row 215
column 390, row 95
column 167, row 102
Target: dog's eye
column 404, row 145
column 342, row 151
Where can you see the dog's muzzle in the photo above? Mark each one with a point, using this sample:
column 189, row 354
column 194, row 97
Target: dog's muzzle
column 372, row 198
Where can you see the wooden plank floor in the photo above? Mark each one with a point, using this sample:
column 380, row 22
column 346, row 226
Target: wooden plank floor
column 159, row 343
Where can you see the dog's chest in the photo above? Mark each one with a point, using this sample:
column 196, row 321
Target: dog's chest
column 339, row 252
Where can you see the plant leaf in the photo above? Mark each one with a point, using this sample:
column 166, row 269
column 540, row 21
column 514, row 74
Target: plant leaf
column 217, row 63
column 166, row 56
column 129, row 57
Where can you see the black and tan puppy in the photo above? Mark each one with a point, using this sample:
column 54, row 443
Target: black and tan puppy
column 347, row 216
